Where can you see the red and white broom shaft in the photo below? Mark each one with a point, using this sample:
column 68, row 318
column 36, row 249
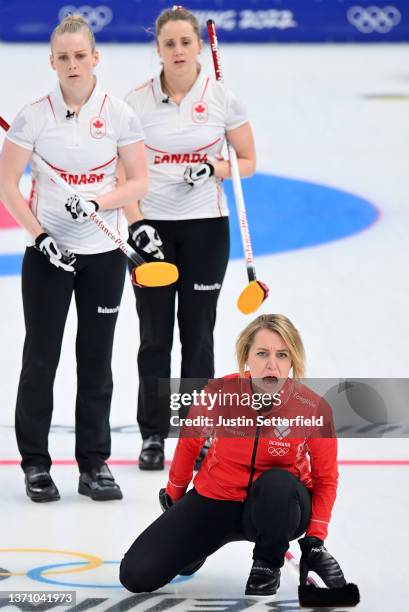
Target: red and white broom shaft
column 292, row 561
column 238, row 191
column 214, row 47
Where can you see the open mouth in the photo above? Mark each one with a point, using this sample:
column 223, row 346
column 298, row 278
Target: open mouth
column 270, row 381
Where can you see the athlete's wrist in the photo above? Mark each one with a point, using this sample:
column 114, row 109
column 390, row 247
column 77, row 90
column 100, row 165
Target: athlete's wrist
column 38, row 233
column 221, row 168
column 133, row 219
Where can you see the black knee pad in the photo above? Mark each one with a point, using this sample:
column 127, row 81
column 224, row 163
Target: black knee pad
column 128, row 578
column 274, row 477
column 137, row 580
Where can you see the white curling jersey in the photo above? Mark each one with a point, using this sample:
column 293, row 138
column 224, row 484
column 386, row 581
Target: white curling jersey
column 177, row 136
column 83, row 150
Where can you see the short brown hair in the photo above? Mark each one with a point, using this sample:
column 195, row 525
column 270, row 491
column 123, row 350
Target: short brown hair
column 73, row 24
column 283, row 327
column 177, row 13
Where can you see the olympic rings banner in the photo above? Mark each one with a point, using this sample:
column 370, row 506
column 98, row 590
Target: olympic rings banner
column 237, row 20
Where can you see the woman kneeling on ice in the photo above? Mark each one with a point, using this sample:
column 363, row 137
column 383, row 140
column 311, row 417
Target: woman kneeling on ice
column 267, row 488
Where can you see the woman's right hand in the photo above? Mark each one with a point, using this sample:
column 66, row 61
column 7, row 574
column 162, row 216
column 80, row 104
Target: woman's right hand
column 165, row 500
column 49, row 248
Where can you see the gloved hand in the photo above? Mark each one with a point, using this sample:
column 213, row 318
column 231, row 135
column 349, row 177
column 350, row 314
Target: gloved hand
column 145, row 239
column 197, row 175
column 165, row 500
column 74, row 208
column 316, row 558
column 48, row 247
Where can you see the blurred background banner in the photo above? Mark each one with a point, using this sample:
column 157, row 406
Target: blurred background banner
column 237, row 20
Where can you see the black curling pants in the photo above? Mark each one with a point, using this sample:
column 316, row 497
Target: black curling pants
column 277, row 511
column 200, row 249
column 97, row 287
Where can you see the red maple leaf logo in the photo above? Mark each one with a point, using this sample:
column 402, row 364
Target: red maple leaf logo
column 98, row 124
column 200, row 108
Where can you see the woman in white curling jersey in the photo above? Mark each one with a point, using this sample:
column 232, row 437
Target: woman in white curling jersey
column 82, row 132
column 186, row 117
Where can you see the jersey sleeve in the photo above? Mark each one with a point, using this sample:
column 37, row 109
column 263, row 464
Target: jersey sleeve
column 324, row 476
column 138, row 97
column 132, row 101
column 236, row 114
column 130, row 127
column 191, row 440
column 181, row 470
column 22, row 130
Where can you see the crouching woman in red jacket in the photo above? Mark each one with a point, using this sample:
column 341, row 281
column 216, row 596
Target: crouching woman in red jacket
column 269, row 488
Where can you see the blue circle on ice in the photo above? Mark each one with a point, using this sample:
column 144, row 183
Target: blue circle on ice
column 284, row 214
column 288, row 214
column 37, row 574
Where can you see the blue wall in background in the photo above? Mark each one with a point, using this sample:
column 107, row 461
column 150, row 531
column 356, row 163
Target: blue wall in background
column 237, row 20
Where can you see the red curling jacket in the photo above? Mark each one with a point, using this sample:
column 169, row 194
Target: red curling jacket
column 225, row 471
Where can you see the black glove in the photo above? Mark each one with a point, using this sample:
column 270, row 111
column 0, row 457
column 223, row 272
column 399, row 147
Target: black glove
column 197, row 175
column 48, row 247
column 146, row 240
column 316, row 558
column 165, row 501
column 74, row 208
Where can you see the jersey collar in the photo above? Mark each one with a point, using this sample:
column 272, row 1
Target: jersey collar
column 195, row 92
column 61, row 106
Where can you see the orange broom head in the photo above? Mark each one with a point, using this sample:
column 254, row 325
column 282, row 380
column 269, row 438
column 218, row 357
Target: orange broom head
column 252, row 297
column 155, row 274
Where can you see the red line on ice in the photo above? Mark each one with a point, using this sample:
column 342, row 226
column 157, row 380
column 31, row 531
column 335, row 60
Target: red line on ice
column 346, row 462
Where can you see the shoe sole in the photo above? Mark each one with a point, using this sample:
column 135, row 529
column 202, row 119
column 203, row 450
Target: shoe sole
column 265, row 594
column 43, row 500
column 151, row 468
column 99, row 495
column 258, row 594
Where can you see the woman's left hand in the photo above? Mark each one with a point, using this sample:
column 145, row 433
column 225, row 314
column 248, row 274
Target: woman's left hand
column 74, row 208
column 145, row 239
column 316, row 558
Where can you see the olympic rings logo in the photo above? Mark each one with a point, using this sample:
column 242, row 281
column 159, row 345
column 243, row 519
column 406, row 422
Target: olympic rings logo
column 98, row 17
column 277, row 452
column 46, row 573
column 374, row 18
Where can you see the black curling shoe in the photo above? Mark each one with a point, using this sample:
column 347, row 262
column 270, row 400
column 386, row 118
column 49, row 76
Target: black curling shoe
column 40, row 486
column 263, row 579
column 152, row 455
column 99, row 484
